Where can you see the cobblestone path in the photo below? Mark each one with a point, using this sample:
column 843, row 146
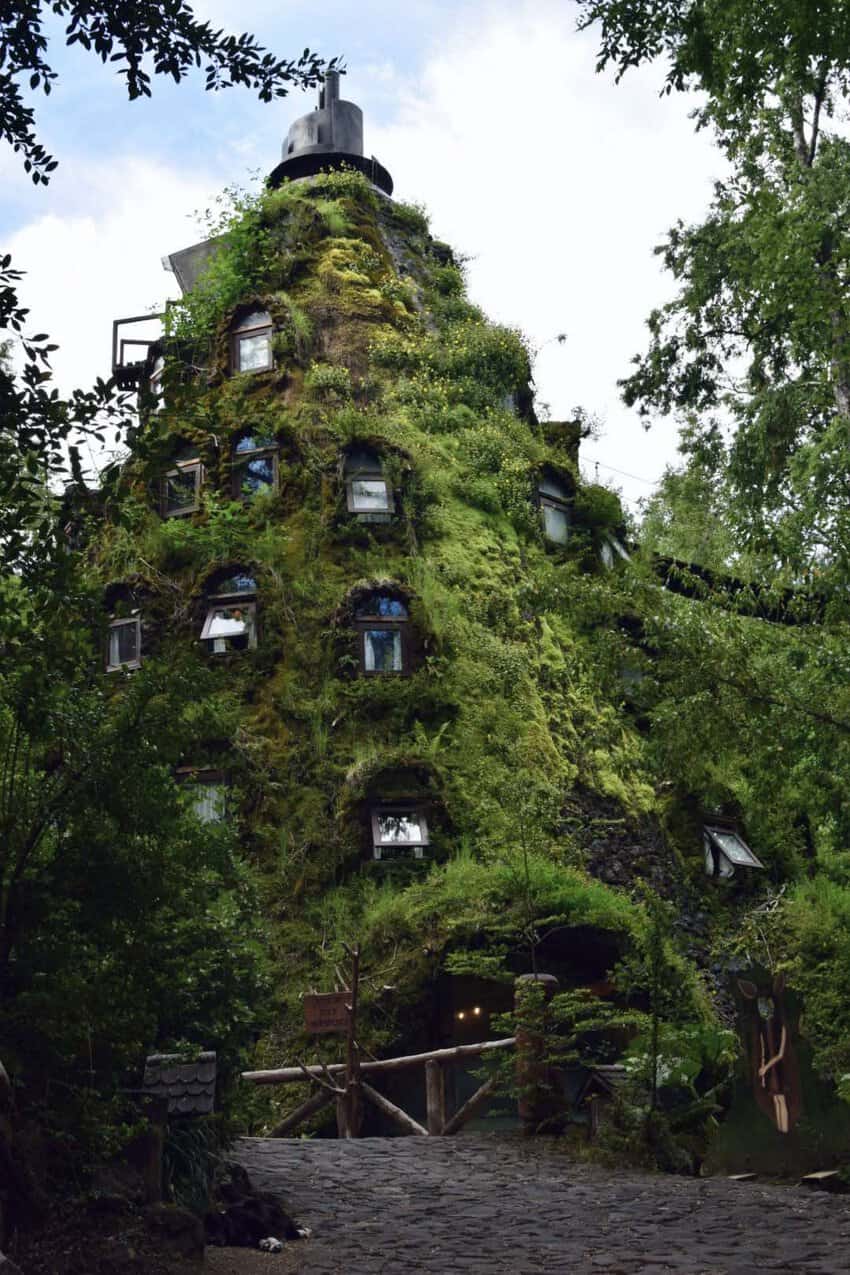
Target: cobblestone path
column 487, row 1204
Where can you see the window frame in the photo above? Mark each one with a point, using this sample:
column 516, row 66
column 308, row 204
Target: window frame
column 238, row 334
column 220, row 601
column 370, row 623
column 205, row 777
column 722, row 866
column 123, row 622
column 371, row 473
column 418, row 848
column 238, row 459
column 562, row 504
column 196, row 466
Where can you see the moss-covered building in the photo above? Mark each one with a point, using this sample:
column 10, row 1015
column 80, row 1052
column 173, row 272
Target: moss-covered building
column 422, row 729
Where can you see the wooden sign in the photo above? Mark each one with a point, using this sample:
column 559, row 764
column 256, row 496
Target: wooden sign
column 326, row 1012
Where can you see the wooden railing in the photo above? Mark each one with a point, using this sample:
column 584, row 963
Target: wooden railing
column 323, row 1078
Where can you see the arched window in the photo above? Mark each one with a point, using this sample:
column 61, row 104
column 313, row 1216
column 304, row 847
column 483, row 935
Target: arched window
column 554, row 497
column 251, row 343
column 180, row 492
column 382, row 623
column 254, row 465
column 231, row 620
column 124, row 646
column 207, row 792
column 368, row 493
column 399, row 830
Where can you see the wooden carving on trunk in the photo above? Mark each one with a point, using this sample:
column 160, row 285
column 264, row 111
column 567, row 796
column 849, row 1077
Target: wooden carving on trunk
column 773, row 1061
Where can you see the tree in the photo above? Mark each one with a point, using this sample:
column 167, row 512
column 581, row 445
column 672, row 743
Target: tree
column 162, row 38
column 754, row 349
column 37, row 427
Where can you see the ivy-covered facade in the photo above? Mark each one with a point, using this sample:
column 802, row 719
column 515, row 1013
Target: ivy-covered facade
column 428, row 663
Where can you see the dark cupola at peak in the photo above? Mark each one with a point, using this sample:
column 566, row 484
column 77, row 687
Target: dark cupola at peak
column 331, row 136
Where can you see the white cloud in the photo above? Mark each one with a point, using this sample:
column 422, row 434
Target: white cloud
column 558, row 184
column 554, row 181
column 85, row 269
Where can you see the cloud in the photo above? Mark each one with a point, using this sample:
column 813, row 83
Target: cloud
column 86, row 268
column 558, row 184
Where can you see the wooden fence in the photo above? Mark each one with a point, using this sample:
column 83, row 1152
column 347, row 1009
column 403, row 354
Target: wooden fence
column 349, row 1096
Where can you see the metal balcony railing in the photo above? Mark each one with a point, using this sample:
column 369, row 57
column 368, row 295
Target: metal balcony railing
column 132, row 339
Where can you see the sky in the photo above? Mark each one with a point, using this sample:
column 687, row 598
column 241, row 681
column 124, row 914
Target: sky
column 554, row 182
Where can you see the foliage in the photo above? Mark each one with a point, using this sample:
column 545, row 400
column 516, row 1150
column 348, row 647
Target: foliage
column 752, row 351
column 168, row 35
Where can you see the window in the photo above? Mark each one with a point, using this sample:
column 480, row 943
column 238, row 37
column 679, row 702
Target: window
column 609, row 547
column 726, row 850
column 399, row 830
column 181, row 488
column 155, row 382
column 252, row 343
column 368, row 492
column 381, row 620
column 254, row 466
column 231, row 623
column 239, row 582
column 555, row 507
column 124, row 645
column 207, row 792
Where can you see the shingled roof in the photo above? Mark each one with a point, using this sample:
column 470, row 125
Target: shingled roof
column 188, row 1086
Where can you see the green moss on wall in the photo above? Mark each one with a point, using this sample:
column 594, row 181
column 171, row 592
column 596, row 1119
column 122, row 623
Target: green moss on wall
column 505, row 712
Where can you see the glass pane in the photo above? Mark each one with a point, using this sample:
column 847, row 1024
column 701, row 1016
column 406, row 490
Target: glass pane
column 362, row 461
column 256, row 319
column 256, row 475
column 226, row 624
column 550, row 486
column 237, row 584
column 382, row 604
column 208, row 801
column 255, row 352
column 734, row 848
column 254, row 443
column 369, row 494
column 556, row 524
column 229, row 628
column 180, row 490
column 401, row 829
column 383, row 650
column 123, row 643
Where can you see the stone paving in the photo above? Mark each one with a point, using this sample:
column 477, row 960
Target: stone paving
column 483, row 1204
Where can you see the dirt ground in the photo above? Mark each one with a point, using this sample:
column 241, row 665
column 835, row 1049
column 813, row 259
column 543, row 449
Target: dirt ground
column 247, row 1261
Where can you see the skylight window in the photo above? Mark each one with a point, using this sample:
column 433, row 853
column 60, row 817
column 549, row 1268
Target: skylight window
column 726, row 850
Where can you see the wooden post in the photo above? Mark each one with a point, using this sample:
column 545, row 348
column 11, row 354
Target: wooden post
column 342, row 1126
column 469, row 1108
column 435, row 1096
column 407, row 1123
column 301, row 1113
column 593, row 1125
column 353, row 1100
